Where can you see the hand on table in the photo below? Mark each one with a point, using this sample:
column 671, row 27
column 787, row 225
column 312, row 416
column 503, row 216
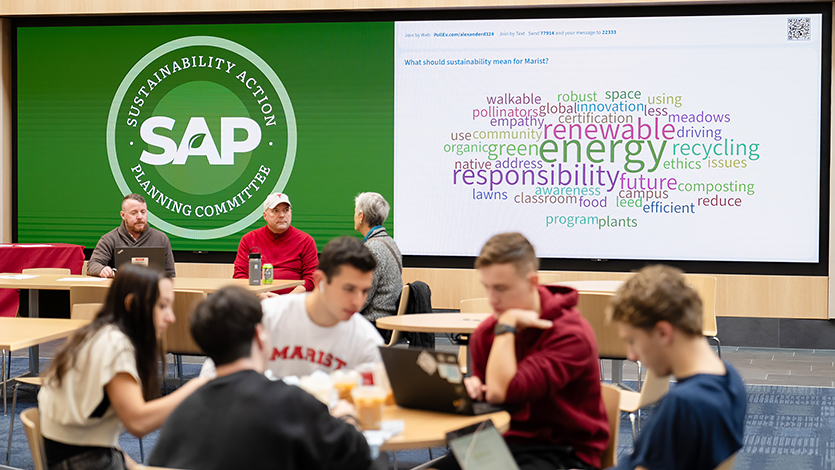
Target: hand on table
column 107, row 271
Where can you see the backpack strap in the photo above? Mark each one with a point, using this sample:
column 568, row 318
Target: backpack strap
column 399, row 265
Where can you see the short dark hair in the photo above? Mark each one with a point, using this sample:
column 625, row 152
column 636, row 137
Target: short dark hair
column 133, row 196
column 658, row 293
column 510, row 247
column 345, row 250
column 223, row 325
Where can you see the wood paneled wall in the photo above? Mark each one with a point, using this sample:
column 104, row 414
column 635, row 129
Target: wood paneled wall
column 130, row 7
column 746, row 296
column 736, row 296
column 213, row 270
column 204, row 270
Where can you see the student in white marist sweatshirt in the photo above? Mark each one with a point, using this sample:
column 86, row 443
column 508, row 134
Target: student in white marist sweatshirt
column 321, row 330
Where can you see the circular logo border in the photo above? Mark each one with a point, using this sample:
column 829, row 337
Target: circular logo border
column 289, row 115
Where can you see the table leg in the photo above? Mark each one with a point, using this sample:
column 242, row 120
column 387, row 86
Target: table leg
column 466, row 344
column 34, row 351
column 617, row 371
column 469, row 365
column 3, row 379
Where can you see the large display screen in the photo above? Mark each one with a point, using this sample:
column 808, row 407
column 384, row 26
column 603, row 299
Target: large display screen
column 633, row 137
column 671, row 138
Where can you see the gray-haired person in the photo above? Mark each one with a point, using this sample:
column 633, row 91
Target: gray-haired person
column 370, row 211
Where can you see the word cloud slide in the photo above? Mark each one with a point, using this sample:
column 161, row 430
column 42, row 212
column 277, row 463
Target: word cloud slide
column 674, row 138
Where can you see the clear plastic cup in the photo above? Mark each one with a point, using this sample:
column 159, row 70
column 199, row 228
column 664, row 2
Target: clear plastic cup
column 369, row 402
column 344, row 381
column 319, row 385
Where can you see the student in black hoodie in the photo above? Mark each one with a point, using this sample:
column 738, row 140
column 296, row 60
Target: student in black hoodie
column 241, row 419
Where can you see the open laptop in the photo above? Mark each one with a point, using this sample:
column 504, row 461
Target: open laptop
column 149, row 256
column 430, row 380
column 480, row 447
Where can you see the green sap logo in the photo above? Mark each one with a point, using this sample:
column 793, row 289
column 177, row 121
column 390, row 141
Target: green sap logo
column 204, row 129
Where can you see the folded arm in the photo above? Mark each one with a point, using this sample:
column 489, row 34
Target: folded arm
column 502, row 363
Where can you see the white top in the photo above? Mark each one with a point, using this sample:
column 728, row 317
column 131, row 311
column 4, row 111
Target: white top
column 65, row 411
column 300, row 346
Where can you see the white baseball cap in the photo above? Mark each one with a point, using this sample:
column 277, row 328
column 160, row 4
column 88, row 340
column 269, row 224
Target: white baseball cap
column 276, row 199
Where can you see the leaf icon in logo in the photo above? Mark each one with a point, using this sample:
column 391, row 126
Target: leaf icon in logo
column 196, row 140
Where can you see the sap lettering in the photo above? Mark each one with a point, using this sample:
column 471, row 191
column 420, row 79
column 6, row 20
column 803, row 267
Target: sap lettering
column 198, row 140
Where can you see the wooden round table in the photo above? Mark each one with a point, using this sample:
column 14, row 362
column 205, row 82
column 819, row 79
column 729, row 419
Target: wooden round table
column 428, row 428
column 464, row 323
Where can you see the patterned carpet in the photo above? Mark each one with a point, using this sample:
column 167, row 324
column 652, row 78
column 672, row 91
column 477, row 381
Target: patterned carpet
column 786, row 428
column 789, row 427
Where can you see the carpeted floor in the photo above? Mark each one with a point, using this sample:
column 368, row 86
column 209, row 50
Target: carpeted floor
column 786, row 427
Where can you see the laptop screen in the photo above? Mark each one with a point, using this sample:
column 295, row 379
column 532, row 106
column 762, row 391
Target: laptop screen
column 481, row 447
column 426, row 379
column 149, row 256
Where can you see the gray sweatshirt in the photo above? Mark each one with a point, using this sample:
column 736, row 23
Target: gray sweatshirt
column 104, row 254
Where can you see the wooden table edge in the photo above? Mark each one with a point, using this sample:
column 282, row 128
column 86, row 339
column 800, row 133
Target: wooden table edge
column 284, row 284
column 32, row 284
column 381, row 323
column 429, row 329
column 43, row 339
column 503, row 425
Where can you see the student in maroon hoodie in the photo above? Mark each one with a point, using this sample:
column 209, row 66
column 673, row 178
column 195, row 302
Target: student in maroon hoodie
column 538, row 356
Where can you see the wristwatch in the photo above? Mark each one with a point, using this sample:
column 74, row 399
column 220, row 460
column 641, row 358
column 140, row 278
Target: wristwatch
column 502, row 328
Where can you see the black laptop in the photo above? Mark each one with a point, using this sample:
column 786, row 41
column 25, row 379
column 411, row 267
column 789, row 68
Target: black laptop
column 149, row 256
column 430, row 380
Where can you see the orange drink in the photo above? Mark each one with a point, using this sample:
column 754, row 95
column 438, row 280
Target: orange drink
column 344, row 382
column 369, row 402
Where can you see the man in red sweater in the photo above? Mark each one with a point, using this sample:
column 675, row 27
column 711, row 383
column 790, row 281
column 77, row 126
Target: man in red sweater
column 537, row 356
column 291, row 252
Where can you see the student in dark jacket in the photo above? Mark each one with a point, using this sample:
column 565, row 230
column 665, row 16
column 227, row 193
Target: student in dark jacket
column 241, row 419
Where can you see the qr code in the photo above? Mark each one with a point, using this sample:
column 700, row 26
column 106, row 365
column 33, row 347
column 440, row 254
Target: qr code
column 800, row 29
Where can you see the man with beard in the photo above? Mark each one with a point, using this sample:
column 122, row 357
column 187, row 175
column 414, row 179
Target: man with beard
column 133, row 232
